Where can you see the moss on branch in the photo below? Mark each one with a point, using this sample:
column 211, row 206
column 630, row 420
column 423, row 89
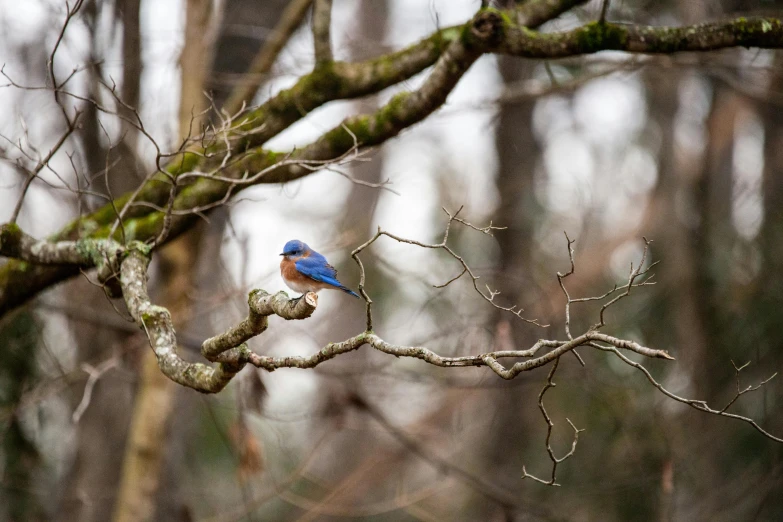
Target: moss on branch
column 597, row 36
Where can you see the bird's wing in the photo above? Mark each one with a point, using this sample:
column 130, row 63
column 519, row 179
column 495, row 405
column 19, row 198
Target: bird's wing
column 316, row 267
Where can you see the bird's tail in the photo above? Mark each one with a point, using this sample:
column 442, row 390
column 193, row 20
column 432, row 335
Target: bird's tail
column 348, row 291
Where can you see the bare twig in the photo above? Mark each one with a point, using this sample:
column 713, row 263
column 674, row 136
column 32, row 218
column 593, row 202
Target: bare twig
column 633, row 275
column 750, row 388
column 560, row 278
column 70, row 122
column 95, row 373
column 549, row 426
column 44, row 162
column 490, row 294
column 70, row 14
column 693, row 403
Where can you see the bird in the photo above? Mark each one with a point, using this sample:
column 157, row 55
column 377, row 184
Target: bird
column 305, row 270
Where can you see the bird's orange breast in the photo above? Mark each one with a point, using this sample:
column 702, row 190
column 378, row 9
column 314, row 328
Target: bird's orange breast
column 288, row 270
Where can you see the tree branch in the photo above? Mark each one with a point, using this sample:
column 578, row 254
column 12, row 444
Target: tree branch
column 693, row 403
column 261, row 305
column 156, row 321
column 596, row 36
column 87, row 253
column 550, row 383
column 490, row 359
column 322, row 21
column 229, row 348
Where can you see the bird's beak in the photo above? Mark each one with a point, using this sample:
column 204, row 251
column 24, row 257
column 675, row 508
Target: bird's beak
column 282, row 254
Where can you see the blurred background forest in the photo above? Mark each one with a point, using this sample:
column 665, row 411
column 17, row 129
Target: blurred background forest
column 686, row 150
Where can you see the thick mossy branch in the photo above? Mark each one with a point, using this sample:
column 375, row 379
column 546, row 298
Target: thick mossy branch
column 43, row 263
column 227, row 349
column 156, row 321
column 340, row 80
column 31, row 256
column 86, row 253
column 597, row 36
column 261, row 305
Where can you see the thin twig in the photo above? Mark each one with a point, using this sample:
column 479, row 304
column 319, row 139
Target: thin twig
column 549, row 427
column 488, row 296
column 95, row 373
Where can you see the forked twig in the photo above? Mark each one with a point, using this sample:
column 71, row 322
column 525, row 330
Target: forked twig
column 550, row 425
column 488, row 296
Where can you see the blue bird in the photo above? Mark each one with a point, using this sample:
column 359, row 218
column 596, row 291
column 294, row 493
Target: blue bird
column 305, row 270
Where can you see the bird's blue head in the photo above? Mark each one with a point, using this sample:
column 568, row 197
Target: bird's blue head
column 295, row 248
